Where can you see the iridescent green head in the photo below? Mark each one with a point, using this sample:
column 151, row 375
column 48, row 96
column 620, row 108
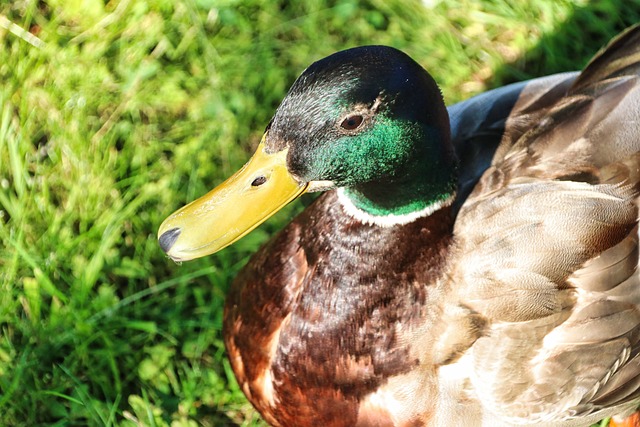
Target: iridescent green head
column 372, row 120
column 369, row 120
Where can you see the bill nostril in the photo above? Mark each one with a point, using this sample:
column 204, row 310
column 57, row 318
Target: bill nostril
column 168, row 238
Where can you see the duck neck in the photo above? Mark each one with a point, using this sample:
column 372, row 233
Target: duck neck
column 425, row 188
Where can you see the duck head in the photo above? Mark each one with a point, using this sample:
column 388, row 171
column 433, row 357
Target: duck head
column 368, row 120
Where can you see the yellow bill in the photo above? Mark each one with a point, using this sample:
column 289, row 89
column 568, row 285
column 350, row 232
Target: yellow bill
column 231, row 210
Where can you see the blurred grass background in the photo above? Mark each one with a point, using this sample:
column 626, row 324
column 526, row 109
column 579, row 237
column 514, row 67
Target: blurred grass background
column 115, row 113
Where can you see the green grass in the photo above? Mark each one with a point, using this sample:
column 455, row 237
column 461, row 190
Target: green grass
column 112, row 116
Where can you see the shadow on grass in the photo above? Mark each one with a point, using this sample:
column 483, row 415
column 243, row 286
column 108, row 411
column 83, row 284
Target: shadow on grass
column 573, row 43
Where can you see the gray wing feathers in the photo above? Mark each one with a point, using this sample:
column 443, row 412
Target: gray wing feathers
column 548, row 245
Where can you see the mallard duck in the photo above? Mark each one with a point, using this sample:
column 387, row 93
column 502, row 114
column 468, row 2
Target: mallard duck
column 469, row 266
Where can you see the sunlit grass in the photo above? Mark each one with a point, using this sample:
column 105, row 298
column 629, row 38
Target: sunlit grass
column 112, row 116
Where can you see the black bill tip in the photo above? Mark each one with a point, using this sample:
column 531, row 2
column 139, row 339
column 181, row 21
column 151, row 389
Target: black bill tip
column 168, row 238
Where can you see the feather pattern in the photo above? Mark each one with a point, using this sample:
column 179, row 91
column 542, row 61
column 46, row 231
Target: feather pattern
column 557, row 282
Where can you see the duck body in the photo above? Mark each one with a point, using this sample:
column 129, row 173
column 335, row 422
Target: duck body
column 511, row 298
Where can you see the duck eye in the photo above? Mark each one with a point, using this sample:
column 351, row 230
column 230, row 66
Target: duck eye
column 259, row 181
column 352, row 122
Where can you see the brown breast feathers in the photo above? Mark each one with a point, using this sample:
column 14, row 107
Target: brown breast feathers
column 312, row 323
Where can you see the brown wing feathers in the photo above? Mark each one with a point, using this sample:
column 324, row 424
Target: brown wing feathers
column 550, row 249
column 620, row 57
